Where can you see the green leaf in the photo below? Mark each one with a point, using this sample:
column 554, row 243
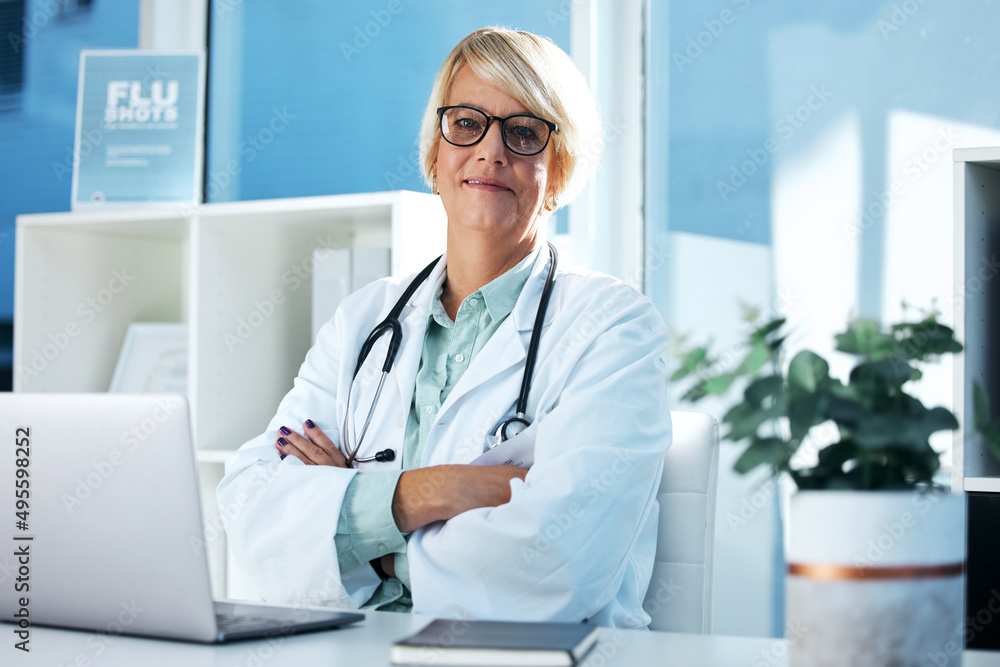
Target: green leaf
column 844, row 410
column 895, row 370
column 807, row 371
column 763, row 451
column 695, row 393
column 938, row 419
column 804, row 480
column 756, row 357
column 877, row 431
column 908, row 431
column 690, row 362
column 804, row 412
column 864, row 339
column 750, row 313
column 763, row 388
column 719, row 384
column 744, row 419
column 920, row 340
column 762, row 332
column 837, row 454
column 879, row 379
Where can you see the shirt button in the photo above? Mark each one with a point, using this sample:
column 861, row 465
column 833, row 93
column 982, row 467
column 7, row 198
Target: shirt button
column 381, row 547
column 429, row 409
column 473, row 302
column 392, row 588
column 459, row 358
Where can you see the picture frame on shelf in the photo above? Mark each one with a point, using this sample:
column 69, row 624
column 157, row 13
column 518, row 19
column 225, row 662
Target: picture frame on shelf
column 153, row 359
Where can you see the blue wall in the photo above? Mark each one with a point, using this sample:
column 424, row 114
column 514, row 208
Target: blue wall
column 36, row 162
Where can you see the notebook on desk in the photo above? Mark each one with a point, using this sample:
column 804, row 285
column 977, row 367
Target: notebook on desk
column 496, row 644
column 109, row 537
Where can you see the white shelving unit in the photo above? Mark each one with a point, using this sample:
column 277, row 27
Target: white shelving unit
column 977, row 308
column 238, row 274
column 975, row 471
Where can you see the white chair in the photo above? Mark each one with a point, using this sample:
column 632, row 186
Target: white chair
column 679, row 598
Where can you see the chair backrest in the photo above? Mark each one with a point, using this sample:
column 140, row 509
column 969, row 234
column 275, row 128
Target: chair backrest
column 679, row 598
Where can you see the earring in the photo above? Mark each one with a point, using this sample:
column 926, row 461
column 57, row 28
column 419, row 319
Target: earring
column 551, row 203
column 434, row 185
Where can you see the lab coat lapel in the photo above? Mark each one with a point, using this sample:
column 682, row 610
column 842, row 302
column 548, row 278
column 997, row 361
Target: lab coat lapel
column 413, row 320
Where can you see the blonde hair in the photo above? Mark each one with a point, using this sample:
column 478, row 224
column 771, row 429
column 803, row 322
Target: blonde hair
column 545, row 80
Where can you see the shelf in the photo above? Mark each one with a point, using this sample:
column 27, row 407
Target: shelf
column 164, row 223
column 982, row 155
column 213, row 455
column 983, row 484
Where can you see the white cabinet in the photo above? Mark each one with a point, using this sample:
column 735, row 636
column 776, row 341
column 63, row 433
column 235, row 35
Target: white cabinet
column 238, row 274
column 976, row 472
column 977, row 308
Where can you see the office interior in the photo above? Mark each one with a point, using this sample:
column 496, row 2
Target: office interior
column 792, row 156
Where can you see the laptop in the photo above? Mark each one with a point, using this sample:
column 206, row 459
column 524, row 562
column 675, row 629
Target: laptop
column 110, row 535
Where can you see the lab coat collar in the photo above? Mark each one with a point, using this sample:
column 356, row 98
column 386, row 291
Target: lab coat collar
column 524, row 310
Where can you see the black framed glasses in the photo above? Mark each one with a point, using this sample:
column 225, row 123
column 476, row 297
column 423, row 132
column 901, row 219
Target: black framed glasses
column 522, row 133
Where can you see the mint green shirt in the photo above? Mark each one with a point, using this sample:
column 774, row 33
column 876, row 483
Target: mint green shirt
column 366, row 529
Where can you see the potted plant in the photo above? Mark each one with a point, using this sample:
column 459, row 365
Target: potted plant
column 875, row 547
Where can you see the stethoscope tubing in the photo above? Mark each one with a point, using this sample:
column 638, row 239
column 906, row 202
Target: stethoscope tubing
column 392, row 324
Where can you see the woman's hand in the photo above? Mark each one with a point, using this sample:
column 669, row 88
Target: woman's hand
column 438, row 493
column 314, row 448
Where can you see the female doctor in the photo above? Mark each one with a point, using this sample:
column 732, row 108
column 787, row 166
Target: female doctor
column 388, row 490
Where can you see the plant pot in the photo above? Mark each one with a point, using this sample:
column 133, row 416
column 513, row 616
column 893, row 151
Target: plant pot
column 875, row 578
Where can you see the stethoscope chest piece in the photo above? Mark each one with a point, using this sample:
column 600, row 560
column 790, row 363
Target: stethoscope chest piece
column 509, row 428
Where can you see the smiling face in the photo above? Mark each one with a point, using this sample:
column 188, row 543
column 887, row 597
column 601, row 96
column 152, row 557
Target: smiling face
column 486, row 188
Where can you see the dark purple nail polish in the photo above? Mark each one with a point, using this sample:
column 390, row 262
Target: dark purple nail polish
column 310, row 423
column 285, row 430
column 282, row 442
column 283, row 456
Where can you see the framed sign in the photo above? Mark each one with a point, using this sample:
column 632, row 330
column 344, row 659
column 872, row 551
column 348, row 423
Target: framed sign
column 153, row 359
column 139, row 128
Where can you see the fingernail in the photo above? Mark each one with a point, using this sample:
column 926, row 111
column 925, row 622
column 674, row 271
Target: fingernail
column 285, row 430
column 310, row 423
column 283, row 456
column 282, row 442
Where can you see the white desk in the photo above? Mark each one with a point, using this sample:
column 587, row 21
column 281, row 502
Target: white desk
column 366, row 644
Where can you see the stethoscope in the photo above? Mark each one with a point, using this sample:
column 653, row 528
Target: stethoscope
column 506, row 429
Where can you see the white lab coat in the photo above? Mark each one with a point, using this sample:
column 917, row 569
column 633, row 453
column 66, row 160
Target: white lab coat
column 577, row 539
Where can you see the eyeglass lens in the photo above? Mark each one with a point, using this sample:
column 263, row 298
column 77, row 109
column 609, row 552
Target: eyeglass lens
column 525, row 135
